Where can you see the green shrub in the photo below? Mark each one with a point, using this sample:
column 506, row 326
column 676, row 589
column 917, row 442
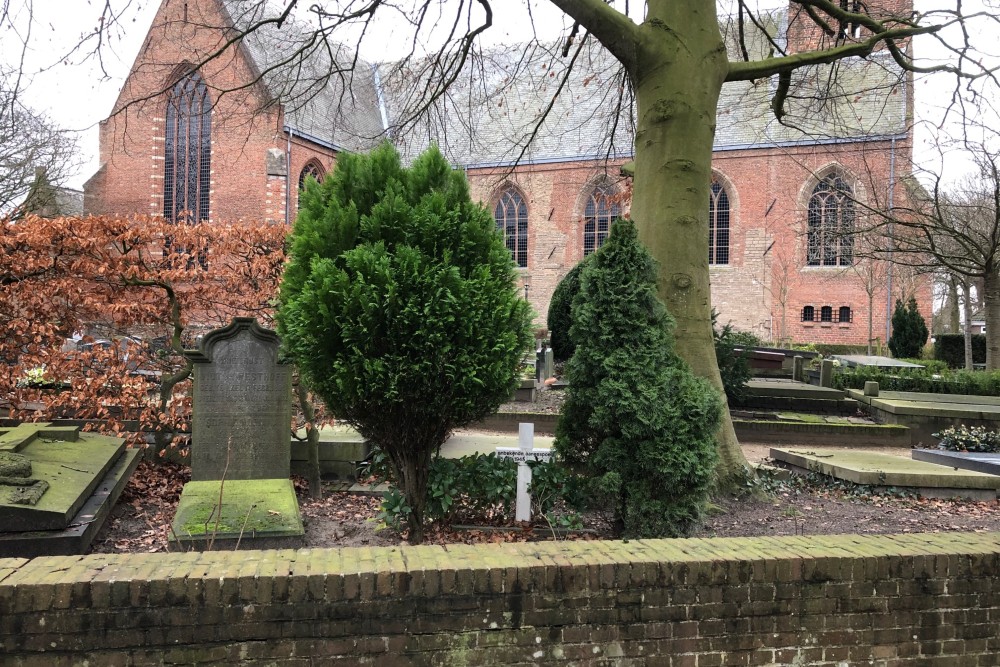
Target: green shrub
column 972, row 383
column 933, row 366
column 399, row 306
column 560, row 312
column 963, row 439
column 950, row 348
column 909, row 331
column 636, row 421
column 479, row 487
column 733, row 366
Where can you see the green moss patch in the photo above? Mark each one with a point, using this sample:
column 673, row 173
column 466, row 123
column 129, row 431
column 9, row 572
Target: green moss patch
column 249, row 508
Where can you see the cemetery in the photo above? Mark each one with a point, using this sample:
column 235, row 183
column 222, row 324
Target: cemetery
column 480, row 503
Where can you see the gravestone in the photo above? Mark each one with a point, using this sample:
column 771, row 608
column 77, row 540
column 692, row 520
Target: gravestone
column 798, row 369
column 524, row 452
column 57, row 487
column 242, row 412
column 826, row 373
column 240, row 491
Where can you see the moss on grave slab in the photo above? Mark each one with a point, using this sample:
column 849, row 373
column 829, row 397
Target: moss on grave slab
column 250, row 507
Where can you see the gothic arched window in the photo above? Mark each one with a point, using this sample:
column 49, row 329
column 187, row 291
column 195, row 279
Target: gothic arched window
column 511, row 214
column 187, row 151
column 311, row 169
column 600, row 212
column 718, row 225
column 831, row 223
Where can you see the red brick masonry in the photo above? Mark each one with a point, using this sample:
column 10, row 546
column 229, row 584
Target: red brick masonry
column 926, row 600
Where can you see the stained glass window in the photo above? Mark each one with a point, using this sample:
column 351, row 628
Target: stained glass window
column 831, row 223
column 187, row 155
column 718, row 225
column 511, row 214
column 600, row 212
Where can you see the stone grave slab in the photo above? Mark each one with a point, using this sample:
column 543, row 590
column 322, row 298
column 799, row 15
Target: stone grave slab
column 57, row 486
column 240, row 440
column 878, row 469
column 876, row 361
column 984, row 462
column 256, row 511
column 79, row 534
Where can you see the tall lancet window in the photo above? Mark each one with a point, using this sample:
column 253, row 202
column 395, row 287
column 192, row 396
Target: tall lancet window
column 718, row 225
column 511, row 215
column 187, row 153
column 831, row 223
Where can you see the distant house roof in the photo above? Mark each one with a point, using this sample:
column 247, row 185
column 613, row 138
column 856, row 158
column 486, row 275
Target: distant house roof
column 494, row 106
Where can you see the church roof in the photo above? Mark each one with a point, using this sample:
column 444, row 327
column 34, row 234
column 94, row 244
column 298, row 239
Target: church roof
column 326, row 95
column 495, row 105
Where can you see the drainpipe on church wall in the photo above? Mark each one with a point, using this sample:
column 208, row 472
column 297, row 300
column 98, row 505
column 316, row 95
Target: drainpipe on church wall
column 888, row 282
column 288, row 172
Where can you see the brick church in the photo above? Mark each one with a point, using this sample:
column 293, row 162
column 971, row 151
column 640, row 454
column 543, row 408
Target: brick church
column 236, row 137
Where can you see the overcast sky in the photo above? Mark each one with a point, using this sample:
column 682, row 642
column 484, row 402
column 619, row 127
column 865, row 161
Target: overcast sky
column 77, row 92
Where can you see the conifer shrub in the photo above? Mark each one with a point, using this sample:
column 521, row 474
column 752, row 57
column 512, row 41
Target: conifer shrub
column 636, row 421
column 400, row 308
column 732, row 348
column 559, row 317
column 909, row 331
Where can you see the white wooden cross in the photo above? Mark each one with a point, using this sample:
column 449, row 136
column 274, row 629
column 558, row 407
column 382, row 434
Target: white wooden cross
column 524, row 452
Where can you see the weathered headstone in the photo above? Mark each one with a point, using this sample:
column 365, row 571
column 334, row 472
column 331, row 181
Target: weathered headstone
column 826, row 373
column 240, row 491
column 524, row 452
column 242, row 412
column 871, row 388
column 798, row 369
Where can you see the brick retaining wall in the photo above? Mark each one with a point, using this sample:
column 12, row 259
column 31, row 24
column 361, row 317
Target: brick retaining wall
column 834, row 600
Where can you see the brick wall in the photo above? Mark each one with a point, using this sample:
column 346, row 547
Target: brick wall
column 767, row 281
column 245, row 126
column 762, row 289
column 833, row 600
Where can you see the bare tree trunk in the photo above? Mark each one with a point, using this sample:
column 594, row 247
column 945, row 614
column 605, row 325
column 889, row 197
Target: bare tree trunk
column 967, row 331
column 673, row 158
column 871, row 319
column 991, row 309
column 312, row 441
column 954, row 322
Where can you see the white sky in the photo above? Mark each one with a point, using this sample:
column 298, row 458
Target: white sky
column 76, row 95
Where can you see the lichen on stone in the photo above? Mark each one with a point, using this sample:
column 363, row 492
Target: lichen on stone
column 14, row 465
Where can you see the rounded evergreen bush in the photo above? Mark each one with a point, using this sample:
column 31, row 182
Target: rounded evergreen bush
column 399, row 306
column 636, row 420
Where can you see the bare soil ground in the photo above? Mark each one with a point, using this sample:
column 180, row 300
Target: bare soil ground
column 140, row 522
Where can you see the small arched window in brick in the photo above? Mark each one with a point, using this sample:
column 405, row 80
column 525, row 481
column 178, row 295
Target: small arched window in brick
column 600, row 212
column 844, row 316
column 831, row 223
column 826, row 314
column 511, row 215
column 718, row 225
column 808, row 314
